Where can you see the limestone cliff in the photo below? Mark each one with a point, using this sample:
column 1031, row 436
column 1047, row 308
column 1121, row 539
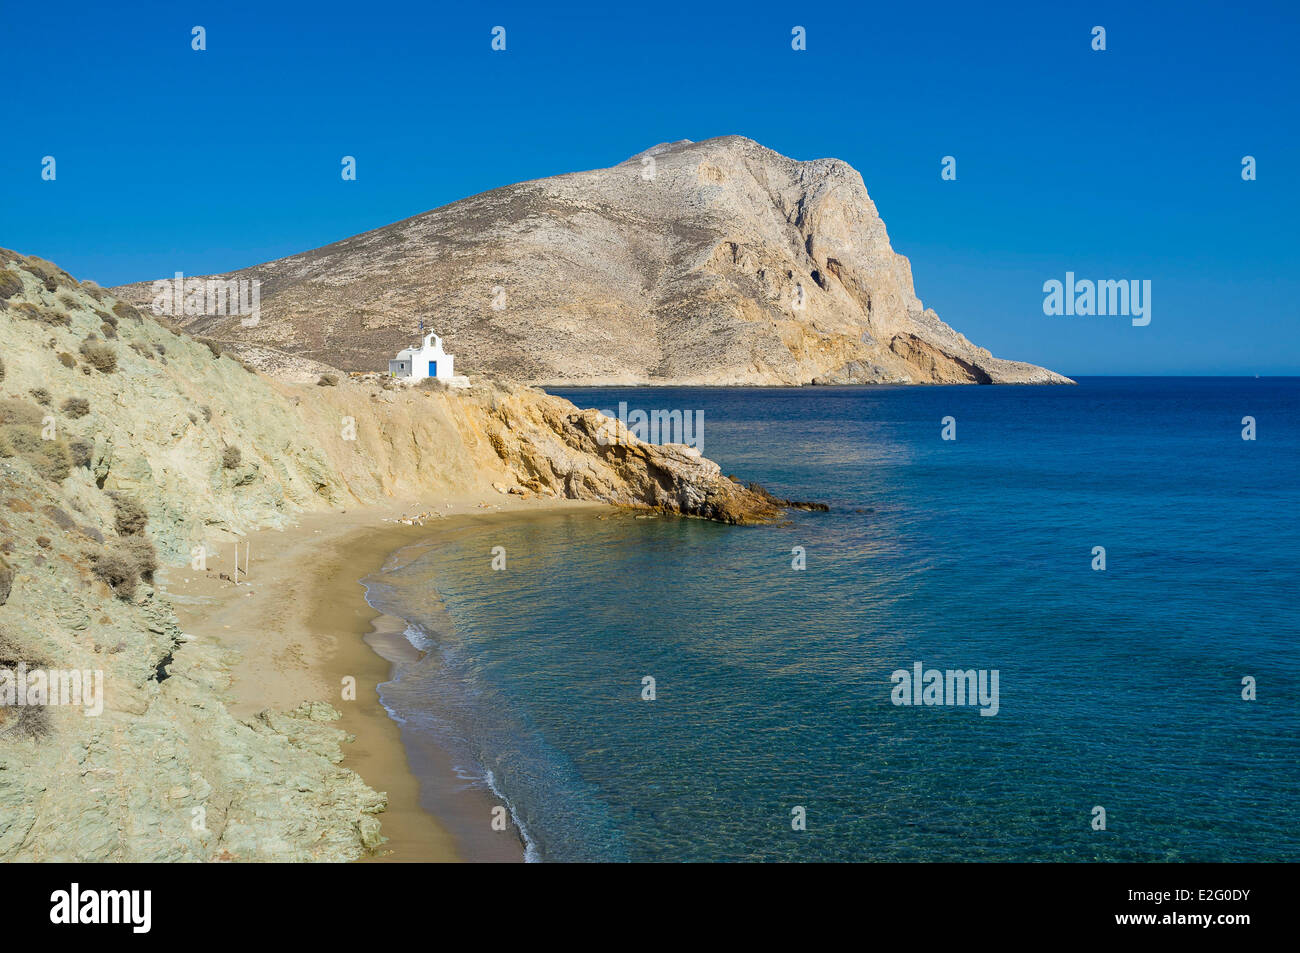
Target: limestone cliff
column 125, row 444
column 719, row 262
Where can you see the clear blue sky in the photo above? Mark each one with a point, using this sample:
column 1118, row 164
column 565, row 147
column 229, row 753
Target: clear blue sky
column 1121, row 164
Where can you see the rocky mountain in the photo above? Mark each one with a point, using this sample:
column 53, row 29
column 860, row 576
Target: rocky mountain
column 125, row 444
column 719, row 262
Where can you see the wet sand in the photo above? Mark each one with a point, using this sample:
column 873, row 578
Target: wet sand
column 300, row 624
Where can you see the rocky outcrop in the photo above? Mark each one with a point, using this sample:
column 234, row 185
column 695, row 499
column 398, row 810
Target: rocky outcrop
column 719, row 262
column 585, row 455
column 125, row 444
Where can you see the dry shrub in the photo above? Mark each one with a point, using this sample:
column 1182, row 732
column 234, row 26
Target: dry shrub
column 141, row 550
column 21, row 722
column 125, row 562
column 10, row 283
column 21, row 413
column 22, row 439
column 230, row 457
column 327, row 380
column 75, row 407
column 49, row 457
column 54, row 462
column 33, row 312
column 20, row 435
column 117, row 568
column 129, row 516
column 99, row 355
column 82, row 452
column 67, row 360
column 41, row 395
column 124, row 310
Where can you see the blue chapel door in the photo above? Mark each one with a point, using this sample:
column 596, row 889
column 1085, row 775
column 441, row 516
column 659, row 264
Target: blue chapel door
column 433, row 368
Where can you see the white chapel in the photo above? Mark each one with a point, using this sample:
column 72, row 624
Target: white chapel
column 428, row 360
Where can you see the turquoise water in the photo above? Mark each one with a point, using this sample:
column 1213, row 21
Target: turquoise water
column 1118, row 688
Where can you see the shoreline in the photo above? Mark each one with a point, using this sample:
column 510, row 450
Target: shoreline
column 300, row 623
column 442, row 791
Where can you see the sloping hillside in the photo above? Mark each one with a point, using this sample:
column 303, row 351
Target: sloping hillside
column 720, row 262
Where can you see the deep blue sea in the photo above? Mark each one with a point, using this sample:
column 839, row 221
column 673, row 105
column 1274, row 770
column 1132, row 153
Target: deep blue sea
column 1118, row 688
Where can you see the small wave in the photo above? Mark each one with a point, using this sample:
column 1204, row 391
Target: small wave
column 389, row 708
column 531, row 854
column 418, row 637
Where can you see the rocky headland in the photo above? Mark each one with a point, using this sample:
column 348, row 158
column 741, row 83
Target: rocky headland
column 705, row 263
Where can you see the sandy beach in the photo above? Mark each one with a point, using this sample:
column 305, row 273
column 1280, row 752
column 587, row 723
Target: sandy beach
column 300, row 624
